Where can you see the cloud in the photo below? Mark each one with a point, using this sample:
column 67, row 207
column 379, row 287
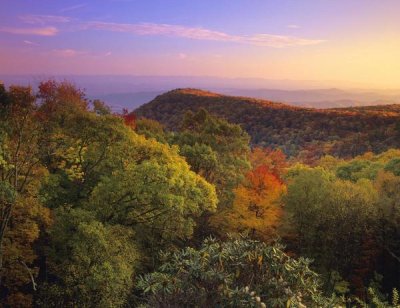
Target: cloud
column 293, row 26
column 44, row 31
column 279, row 40
column 73, row 8
column 68, row 53
column 30, row 43
column 150, row 29
column 182, row 56
column 43, row 19
column 74, row 53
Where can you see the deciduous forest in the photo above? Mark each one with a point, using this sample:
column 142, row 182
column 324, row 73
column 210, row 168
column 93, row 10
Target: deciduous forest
column 345, row 132
column 196, row 200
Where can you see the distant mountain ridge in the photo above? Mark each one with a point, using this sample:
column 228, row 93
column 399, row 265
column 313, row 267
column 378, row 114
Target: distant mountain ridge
column 313, row 98
column 321, row 98
column 124, row 91
column 341, row 131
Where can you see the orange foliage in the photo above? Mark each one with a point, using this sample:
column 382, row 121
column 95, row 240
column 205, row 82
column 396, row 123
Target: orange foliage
column 129, row 118
column 275, row 160
column 60, row 97
column 256, row 208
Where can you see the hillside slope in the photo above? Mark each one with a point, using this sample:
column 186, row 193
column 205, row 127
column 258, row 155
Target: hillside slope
column 342, row 132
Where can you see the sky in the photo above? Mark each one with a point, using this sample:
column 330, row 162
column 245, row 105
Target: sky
column 352, row 41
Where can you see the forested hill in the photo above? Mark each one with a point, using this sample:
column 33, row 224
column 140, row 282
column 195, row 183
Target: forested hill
column 305, row 131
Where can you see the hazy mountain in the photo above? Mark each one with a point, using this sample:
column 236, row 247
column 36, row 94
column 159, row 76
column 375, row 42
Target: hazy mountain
column 321, row 98
column 132, row 91
column 341, row 132
column 130, row 101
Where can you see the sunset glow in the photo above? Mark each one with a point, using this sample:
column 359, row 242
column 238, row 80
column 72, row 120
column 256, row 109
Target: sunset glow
column 353, row 42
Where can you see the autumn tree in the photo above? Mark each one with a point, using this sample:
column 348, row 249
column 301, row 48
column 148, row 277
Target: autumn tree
column 274, row 160
column 151, row 129
column 112, row 190
column 215, row 149
column 388, row 224
column 88, row 199
column 257, row 208
column 153, row 191
column 91, row 264
column 101, row 108
column 129, row 118
column 329, row 218
column 22, row 214
column 60, row 99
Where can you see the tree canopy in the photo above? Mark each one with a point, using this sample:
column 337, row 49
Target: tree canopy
column 103, row 209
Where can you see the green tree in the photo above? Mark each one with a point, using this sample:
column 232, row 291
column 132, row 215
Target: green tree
column 21, row 212
column 151, row 129
column 215, row 149
column 393, row 166
column 236, row 273
column 358, row 169
column 388, row 220
column 154, row 192
column 329, row 218
column 106, row 181
column 92, row 264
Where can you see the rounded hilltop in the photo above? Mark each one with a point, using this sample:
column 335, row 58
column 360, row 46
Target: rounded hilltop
column 193, row 91
column 290, row 128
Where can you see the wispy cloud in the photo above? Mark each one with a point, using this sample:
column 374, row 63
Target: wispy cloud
column 75, row 53
column 149, row 29
column 279, row 40
column 68, row 53
column 44, row 19
column 30, row 43
column 73, row 8
column 293, row 26
column 43, row 31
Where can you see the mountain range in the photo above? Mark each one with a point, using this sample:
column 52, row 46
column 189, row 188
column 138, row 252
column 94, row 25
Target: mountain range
column 130, row 92
column 343, row 132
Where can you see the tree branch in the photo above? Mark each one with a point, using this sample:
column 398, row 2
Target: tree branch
column 34, row 285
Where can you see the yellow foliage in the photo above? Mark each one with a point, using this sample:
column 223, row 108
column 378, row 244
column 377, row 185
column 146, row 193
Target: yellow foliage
column 256, row 208
column 29, row 216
